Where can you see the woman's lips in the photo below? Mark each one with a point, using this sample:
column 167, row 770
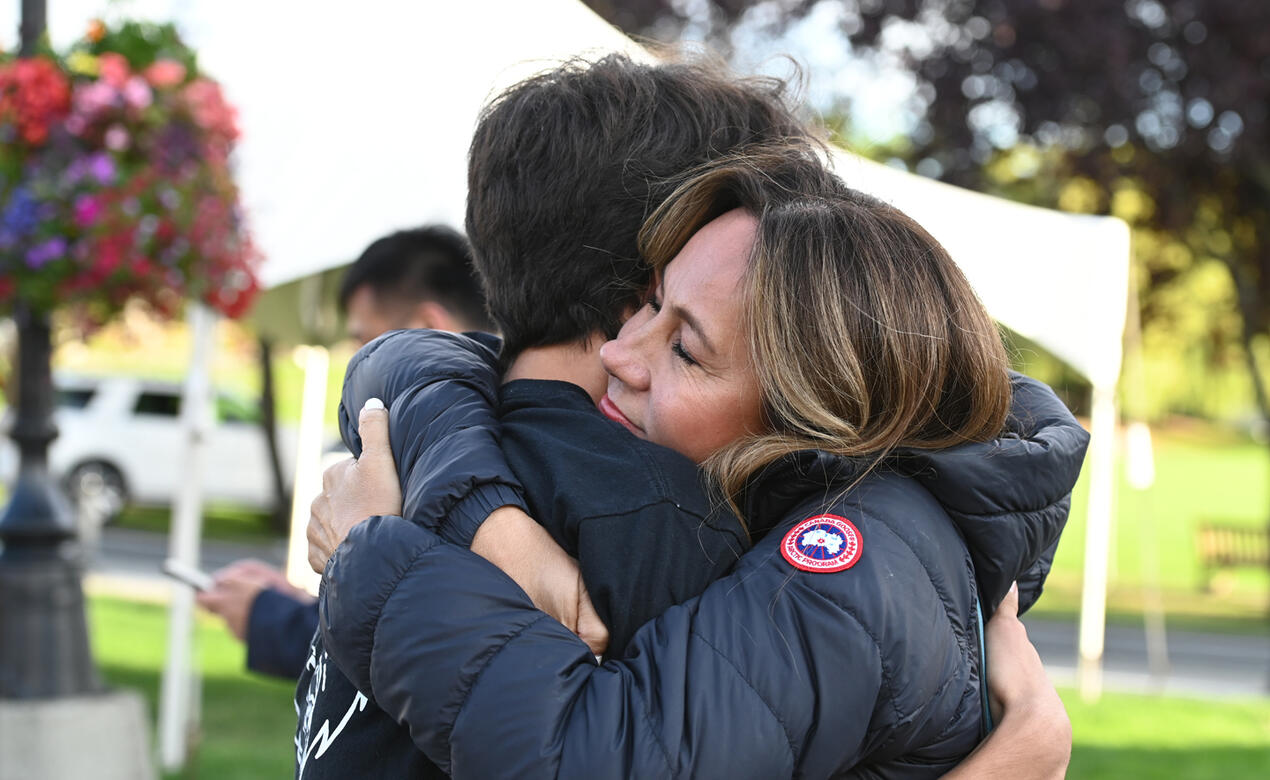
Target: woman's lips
column 610, row 410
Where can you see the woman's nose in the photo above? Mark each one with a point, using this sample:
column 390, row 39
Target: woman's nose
column 624, row 364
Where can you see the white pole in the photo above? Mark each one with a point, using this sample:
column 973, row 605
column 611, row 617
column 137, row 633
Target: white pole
column 1140, row 460
column 176, row 715
column 1093, row 598
column 316, row 362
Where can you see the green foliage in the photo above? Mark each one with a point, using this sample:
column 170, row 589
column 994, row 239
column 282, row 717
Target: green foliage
column 141, row 43
column 1151, row 110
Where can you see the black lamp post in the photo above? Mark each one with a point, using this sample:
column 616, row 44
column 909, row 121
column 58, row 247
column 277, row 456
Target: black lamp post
column 44, row 650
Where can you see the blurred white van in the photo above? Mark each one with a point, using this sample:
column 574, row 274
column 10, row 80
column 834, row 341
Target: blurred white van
column 120, row 441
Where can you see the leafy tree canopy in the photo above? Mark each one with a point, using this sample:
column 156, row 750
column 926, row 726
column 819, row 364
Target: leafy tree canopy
column 1155, row 110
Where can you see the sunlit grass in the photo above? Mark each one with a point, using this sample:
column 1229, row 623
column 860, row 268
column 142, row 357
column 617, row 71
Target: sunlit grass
column 248, row 721
column 1202, row 475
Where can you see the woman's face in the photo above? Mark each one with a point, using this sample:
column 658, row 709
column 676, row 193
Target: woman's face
column 680, row 372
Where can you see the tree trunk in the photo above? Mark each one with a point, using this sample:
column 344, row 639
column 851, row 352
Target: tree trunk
column 280, row 517
column 1248, row 310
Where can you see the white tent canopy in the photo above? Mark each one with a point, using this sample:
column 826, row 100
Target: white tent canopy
column 1058, row 279
column 356, row 119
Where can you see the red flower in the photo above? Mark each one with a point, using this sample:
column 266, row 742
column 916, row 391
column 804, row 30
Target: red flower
column 109, row 255
column 34, row 95
column 113, row 69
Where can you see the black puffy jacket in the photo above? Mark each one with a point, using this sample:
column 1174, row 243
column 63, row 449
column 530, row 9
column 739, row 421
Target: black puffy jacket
column 870, row 670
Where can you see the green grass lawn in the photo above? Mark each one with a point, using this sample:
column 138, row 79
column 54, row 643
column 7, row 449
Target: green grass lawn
column 1143, row 737
column 248, row 721
column 1200, row 476
column 225, row 523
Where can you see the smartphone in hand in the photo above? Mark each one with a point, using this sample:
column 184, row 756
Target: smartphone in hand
column 195, row 578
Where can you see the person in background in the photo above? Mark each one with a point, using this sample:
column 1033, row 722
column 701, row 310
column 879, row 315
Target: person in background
column 417, row 278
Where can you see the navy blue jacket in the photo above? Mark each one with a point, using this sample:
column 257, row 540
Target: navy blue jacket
column 279, row 627
column 869, row 670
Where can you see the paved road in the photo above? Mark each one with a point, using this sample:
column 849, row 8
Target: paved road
column 1199, row 664
column 127, row 562
column 1203, row 664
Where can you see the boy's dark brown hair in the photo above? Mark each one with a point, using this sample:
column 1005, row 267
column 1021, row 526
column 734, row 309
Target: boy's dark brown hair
column 565, row 167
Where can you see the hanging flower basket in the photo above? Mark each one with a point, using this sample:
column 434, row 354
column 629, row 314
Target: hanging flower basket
column 115, row 181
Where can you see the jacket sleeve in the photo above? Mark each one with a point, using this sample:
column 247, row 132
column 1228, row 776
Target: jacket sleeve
column 1034, row 466
column 441, row 391
column 279, row 630
column 722, row 686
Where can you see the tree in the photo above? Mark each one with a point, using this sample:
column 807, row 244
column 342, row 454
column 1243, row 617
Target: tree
column 1157, row 110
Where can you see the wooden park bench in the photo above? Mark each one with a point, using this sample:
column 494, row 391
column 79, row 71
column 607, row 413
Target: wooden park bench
column 1229, row 546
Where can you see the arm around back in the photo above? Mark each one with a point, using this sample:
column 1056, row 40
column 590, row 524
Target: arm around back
column 490, row 686
column 441, row 390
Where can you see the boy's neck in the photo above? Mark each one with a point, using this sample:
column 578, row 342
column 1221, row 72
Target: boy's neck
column 578, row 363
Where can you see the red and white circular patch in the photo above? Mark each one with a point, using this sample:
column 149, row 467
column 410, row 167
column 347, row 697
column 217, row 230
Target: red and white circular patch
column 823, row 543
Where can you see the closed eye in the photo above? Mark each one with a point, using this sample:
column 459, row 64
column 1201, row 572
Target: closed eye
column 682, row 354
column 678, row 346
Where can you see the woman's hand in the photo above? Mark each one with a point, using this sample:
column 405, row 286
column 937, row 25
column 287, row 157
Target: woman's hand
column 512, row 541
column 1033, row 735
column 1016, row 678
column 355, row 489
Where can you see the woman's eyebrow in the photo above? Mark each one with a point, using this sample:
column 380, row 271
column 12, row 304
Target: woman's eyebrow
column 691, row 321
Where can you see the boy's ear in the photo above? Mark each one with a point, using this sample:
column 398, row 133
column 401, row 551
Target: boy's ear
column 430, row 314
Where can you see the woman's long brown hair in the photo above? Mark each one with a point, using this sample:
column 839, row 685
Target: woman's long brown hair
column 864, row 333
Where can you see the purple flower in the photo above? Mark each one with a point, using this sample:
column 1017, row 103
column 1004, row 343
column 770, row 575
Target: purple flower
column 21, row 214
column 42, row 253
column 102, row 168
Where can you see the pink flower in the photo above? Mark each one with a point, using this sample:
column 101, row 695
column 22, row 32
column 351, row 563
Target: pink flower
column 116, row 138
column 92, row 99
column 136, row 93
column 113, row 69
column 165, row 73
column 211, row 112
column 86, row 210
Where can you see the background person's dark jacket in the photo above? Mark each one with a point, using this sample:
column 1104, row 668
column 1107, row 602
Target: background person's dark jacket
column 279, row 629
column 771, row 672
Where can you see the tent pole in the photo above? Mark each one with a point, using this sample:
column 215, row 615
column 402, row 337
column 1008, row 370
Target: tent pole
column 176, row 714
column 1093, row 600
column 316, row 362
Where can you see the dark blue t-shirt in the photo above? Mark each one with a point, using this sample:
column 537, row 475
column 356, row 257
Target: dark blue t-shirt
column 635, row 514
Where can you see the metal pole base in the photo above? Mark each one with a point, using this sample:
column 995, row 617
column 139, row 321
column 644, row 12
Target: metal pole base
column 43, row 632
